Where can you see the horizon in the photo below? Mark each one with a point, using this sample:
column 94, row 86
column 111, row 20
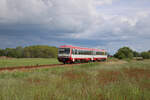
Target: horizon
column 76, row 46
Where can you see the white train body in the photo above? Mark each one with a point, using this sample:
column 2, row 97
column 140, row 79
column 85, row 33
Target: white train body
column 70, row 54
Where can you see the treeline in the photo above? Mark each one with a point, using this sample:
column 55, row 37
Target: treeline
column 43, row 51
column 36, row 51
column 127, row 53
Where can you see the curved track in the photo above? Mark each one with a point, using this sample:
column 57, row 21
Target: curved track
column 34, row 67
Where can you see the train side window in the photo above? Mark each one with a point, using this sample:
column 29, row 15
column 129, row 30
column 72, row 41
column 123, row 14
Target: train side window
column 73, row 51
column 76, row 51
column 103, row 53
column 97, row 53
column 79, row 52
column 100, row 53
column 85, row 52
column 82, row 52
column 93, row 52
column 90, row 52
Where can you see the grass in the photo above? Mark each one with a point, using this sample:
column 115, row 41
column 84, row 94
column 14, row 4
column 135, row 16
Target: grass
column 116, row 80
column 27, row 62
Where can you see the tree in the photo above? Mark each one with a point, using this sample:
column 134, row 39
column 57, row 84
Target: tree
column 145, row 55
column 136, row 54
column 2, row 52
column 124, row 53
column 36, row 51
column 10, row 52
column 19, row 52
column 40, row 51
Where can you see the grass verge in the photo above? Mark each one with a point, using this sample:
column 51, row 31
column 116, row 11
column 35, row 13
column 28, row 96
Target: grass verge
column 27, row 62
column 93, row 81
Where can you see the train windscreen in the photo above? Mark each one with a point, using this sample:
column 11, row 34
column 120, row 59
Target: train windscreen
column 64, row 50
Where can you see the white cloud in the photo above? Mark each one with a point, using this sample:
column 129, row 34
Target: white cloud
column 77, row 19
column 103, row 2
column 69, row 15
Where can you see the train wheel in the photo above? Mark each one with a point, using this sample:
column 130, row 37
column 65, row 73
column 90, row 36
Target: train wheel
column 104, row 60
column 72, row 62
column 93, row 60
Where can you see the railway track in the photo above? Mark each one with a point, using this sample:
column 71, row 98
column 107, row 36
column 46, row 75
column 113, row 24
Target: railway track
column 33, row 67
column 48, row 66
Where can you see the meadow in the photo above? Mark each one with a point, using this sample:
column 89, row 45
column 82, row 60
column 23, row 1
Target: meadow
column 13, row 62
column 113, row 80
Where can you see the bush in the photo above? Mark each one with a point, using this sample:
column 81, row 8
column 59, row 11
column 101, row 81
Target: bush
column 136, row 54
column 124, row 53
column 1, row 52
column 145, row 55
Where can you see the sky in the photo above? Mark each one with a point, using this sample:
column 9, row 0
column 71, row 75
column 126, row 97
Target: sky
column 103, row 24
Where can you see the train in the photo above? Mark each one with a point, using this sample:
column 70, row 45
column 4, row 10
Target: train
column 68, row 54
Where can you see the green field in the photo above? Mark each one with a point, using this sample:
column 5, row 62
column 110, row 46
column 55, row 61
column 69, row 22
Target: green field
column 115, row 80
column 26, row 62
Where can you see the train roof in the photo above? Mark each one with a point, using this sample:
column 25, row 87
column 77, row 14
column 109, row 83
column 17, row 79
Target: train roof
column 81, row 48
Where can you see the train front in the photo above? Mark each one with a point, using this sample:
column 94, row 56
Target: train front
column 64, row 55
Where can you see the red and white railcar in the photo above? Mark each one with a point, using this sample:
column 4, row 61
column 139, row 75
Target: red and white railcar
column 71, row 54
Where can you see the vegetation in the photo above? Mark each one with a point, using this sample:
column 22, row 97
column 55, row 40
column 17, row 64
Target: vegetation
column 43, row 51
column 27, row 62
column 37, row 51
column 136, row 54
column 115, row 80
column 145, row 55
column 124, row 52
column 127, row 53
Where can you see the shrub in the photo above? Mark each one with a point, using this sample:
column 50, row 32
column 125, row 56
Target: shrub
column 145, row 55
column 124, row 53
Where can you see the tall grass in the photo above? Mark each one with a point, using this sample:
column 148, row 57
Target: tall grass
column 93, row 81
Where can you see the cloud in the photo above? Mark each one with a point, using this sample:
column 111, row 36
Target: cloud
column 103, row 2
column 106, row 24
column 120, row 30
column 50, row 15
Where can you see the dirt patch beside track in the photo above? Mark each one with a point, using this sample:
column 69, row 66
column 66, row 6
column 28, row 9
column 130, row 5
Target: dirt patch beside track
column 33, row 67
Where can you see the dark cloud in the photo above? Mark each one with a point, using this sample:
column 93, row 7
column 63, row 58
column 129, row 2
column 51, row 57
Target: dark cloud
column 90, row 23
